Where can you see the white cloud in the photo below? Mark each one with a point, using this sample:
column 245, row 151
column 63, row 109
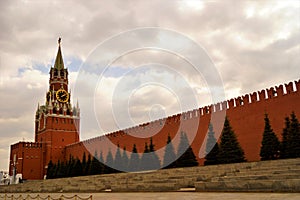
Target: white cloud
column 253, row 44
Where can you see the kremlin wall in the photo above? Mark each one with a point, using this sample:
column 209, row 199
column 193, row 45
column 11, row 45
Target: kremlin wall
column 57, row 126
column 246, row 114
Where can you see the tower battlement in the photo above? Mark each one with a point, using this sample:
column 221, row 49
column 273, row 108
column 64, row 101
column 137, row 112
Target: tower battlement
column 27, row 145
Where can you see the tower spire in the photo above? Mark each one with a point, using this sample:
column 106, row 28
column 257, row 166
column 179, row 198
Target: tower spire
column 77, row 104
column 59, row 63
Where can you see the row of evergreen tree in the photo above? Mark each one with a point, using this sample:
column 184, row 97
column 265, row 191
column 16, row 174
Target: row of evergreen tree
column 147, row 161
column 289, row 147
column 228, row 150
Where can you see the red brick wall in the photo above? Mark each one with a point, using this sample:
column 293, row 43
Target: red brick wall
column 61, row 139
column 58, row 132
column 28, row 159
column 51, row 139
column 247, row 120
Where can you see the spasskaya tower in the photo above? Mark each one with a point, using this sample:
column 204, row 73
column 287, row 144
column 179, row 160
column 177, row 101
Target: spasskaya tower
column 56, row 126
column 57, row 122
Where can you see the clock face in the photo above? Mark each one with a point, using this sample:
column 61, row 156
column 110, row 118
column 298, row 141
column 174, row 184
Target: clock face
column 62, row 95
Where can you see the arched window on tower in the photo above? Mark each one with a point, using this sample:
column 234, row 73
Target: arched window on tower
column 62, row 73
column 55, row 72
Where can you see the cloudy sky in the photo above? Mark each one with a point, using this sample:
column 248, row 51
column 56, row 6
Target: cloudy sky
column 250, row 45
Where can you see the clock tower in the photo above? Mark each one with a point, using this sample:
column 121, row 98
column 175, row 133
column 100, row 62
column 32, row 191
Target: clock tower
column 56, row 126
column 57, row 121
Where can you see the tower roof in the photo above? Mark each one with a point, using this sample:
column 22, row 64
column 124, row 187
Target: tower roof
column 59, row 63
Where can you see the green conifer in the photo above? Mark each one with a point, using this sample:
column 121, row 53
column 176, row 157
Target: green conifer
column 230, row 150
column 145, row 159
column 88, row 165
column 169, row 156
column 109, row 163
column 118, row 160
column 285, row 139
column 270, row 145
column 77, row 169
column 70, row 166
column 62, row 170
column 57, row 170
column 293, row 150
column 134, row 160
column 54, row 170
column 154, row 160
column 96, row 167
column 212, row 148
column 125, row 160
column 185, row 153
column 50, row 170
column 101, row 159
column 83, row 163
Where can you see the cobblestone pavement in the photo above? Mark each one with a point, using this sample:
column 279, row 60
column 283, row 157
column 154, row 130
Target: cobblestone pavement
column 173, row 196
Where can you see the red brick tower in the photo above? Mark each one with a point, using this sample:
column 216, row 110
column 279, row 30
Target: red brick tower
column 56, row 125
column 57, row 122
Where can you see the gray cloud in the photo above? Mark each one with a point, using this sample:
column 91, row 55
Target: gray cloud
column 253, row 45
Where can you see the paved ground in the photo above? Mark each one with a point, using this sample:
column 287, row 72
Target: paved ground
column 175, row 196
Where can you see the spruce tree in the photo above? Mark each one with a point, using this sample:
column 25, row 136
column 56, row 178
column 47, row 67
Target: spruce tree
column 134, row 160
column 170, row 156
column 118, row 160
column 109, row 159
column 70, row 166
column 62, row 170
column 125, row 160
column 77, row 169
column 145, row 159
column 109, row 163
column 212, row 148
column 57, row 170
column 270, row 145
column 96, row 155
column 96, row 167
column 53, row 171
column 88, row 165
column 230, row 150
column 154, row 160
column 101, row 159
column 183, row 144
column 185, row 153
column 83, row 163
column 285, row 139
column 50, row 170
column 293, row 150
